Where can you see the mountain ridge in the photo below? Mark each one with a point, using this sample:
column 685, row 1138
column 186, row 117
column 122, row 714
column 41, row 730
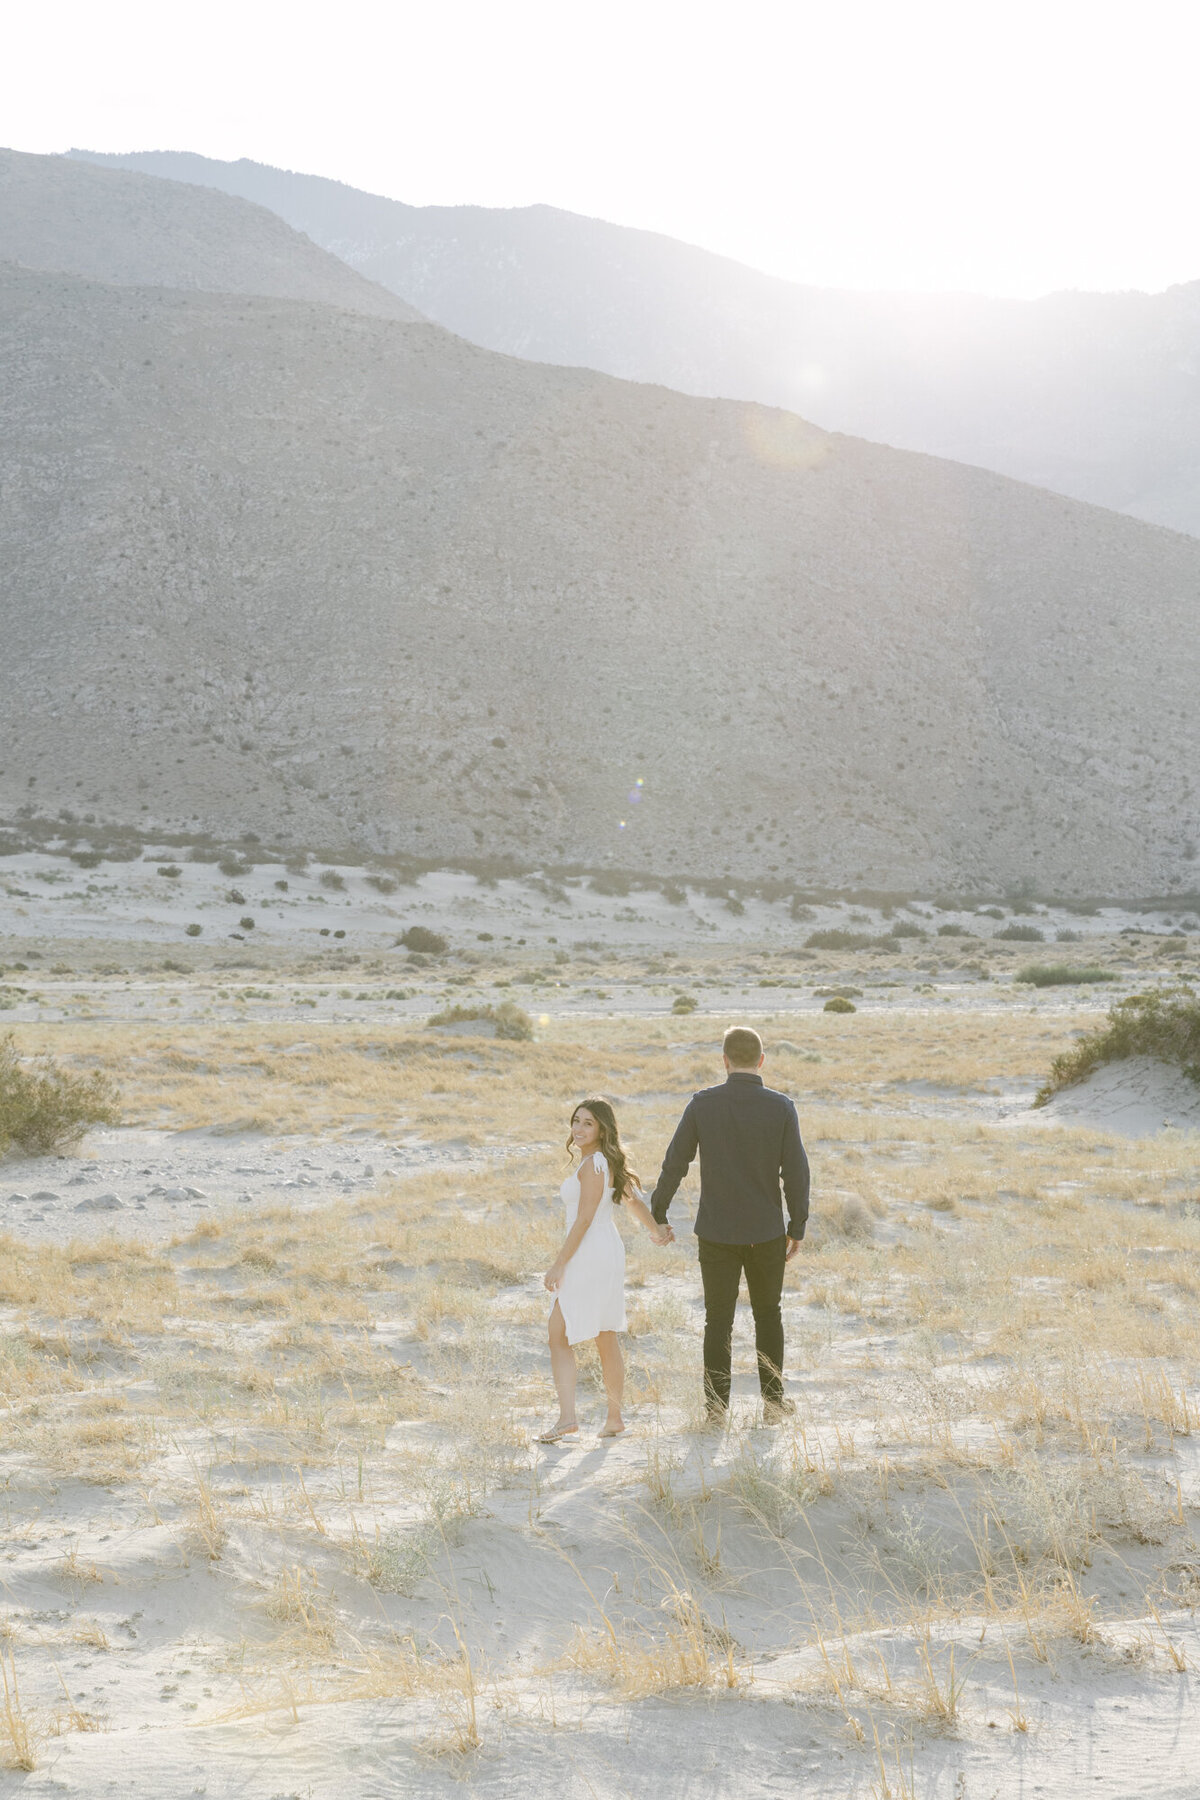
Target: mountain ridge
column 1095, row 396
column 333, row 578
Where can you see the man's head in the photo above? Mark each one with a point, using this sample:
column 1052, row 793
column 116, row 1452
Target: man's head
column 742, row 1049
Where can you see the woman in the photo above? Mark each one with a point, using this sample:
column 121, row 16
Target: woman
column 587, row 1277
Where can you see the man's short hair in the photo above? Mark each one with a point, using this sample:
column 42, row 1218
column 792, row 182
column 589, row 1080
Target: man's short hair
column 742, row 1046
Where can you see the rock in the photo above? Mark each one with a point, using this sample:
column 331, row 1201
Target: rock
column 100, row 1203
column 18, row 1196
column 173, row 1194
column 45, row 1195
column 195, row 1193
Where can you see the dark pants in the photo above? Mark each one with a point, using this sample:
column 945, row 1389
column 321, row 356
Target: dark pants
column 721, row 1268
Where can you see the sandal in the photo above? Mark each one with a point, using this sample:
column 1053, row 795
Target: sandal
column 557, row 1432
column 619, row 1432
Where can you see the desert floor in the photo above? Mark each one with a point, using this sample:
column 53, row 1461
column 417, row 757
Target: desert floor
column 272, row 1360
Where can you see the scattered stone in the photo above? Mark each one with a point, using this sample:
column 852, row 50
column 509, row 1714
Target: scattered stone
column 173, row 1194
column 100, row 1203
column 46, row 1196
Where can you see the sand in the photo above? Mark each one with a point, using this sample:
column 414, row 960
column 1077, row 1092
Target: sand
column 157, row 1635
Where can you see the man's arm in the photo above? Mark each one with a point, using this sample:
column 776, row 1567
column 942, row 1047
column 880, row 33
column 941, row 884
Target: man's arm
column 676, row 1163
column 793, row 1166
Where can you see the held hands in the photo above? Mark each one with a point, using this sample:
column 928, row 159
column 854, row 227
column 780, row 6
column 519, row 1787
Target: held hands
column 661, row 1234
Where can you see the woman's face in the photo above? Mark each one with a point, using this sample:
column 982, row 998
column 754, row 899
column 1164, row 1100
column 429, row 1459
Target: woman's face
column 585, row 1131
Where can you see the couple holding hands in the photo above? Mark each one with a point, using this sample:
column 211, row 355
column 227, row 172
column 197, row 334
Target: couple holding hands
column 748, row 1139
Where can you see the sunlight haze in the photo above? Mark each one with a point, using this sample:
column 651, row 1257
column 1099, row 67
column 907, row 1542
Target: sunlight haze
column 1008, row 150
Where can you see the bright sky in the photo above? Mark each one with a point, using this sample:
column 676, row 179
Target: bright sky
column 1000, row 146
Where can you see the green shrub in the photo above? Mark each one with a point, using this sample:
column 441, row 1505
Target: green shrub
column 424, row 941
column 172, row 871
column 904, row 928
column 45, row 1109
column 510, row 1021
column 330, row 878
column 87, row 859
column 246, row 922
column 1062, row 974
column 233, row 865
column 1021, row 934
column 1164, row 1023
column 193, row 930
column 837, row 939
column 383, row 884
column 840, row 1005
column 684, row 1003
column 954, row 931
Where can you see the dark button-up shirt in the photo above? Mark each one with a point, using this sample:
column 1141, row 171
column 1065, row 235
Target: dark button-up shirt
column 748, row 1137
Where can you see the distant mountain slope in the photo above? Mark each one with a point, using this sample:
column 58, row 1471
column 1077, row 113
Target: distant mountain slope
column 138, row 231
column 1094, row 395
column 271, row 566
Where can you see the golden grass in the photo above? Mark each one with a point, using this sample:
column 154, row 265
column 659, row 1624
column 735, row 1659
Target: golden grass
column 1037, row 1290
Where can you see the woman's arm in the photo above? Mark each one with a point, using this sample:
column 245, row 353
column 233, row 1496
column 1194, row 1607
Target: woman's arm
column 591, row 1191
column 636, row 1206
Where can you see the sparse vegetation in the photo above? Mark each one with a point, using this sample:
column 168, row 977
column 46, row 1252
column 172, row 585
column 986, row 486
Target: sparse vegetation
column 684, row 1003
column 1021, row 934
column 193, row 930
column 835, row 938
column 508, row 1020
column 45, row 1108
column 423, row 941
column 1164, row 1023
column 333, row 879
column 1062, row 974
column 839, row 1004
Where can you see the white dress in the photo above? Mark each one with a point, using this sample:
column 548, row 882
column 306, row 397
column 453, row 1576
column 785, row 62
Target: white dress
column 591, row 1295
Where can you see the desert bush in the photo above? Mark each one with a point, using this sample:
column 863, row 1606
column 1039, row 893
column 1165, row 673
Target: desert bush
column 954, row 931
column 193, row 930
column 904, row 928
column 424, row 941
column 608, row 881
column 509, row 1020
column 233, row 865
column 330, row 878
column 1061, row 974
column 246, row 922
column 1164, row 1023
column 87, row 859
column 674, row 894
column 172, row 871
column 684, row 1003
column 44, row 1108
column 383, row 884
column 840, row 1005
column 834, row 938
column 1021, row 934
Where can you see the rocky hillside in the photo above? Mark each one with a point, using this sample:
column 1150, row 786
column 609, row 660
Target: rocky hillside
column 271, row 566
column 136, row 231
column 1094, row 395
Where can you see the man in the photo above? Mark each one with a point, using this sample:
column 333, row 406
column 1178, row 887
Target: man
column 748, row 1137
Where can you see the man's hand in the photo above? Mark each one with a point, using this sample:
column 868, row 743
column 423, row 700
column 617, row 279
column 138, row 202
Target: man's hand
column 662, row 1234
column 793, row 1244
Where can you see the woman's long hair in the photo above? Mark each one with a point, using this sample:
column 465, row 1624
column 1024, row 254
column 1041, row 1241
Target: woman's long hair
column 625, row 1180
